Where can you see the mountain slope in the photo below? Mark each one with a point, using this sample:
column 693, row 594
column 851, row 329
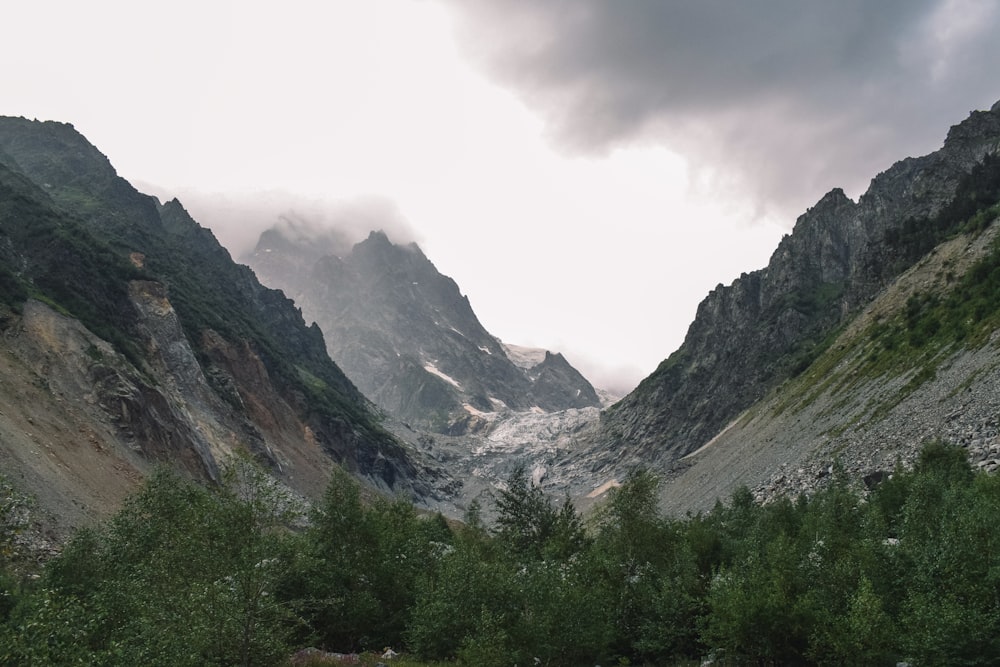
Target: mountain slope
column 881, row 389
column 408, row 337
column 769, row 325
column 129, row 322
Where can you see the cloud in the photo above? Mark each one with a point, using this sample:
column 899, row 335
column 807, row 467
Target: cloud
column 781, row 100
column 238, row 220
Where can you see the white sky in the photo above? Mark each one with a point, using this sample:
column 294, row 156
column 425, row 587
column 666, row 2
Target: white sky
column 601, row 253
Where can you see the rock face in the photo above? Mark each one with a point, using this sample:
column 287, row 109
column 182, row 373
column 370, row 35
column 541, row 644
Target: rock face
column 408, row 338
column 847, row 411
column 767, row 326
column 129, row 337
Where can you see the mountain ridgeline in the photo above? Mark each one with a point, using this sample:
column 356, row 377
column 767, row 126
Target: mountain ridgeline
column 408, row 338
column 768, row 326
column 130, row 338
column 145, row 343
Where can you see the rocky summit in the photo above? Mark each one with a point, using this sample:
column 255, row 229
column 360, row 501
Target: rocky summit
column 408, row 337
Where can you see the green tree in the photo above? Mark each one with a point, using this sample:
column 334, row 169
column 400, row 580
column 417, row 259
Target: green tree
column 182, row 575
column 648, row 574
column 255, row 544
column 355, row 582
column 13, row 513
column 951, row 613
column 463, row 601
column 526, row 520
column 755, row 606
column 329, row 581
column 522, row 592
column 864, row 635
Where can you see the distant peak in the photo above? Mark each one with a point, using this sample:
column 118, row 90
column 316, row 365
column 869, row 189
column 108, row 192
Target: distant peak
column 378, row 241
column 832, row 200
column 836, row 195
column 379, row 236
column 294, row 233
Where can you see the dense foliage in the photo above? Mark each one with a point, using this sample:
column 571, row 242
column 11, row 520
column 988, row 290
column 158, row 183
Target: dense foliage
column 47, row 255
column 236, row 575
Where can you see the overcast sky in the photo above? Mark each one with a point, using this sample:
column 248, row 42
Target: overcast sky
column 585, row 170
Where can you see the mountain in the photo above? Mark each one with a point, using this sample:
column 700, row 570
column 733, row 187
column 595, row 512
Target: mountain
column 406, row 335
column 129, row 338
column 789, row 368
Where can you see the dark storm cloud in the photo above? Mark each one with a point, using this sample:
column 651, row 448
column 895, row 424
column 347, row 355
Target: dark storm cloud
column 792, row 96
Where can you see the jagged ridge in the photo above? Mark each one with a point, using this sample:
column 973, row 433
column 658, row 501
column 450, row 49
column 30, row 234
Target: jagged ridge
column 203, row 359
column 409, row 338
column 769, row 324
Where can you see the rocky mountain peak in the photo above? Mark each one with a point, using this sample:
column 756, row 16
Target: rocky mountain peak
column 295, row 235
column 976, row 135
column 377, row 254
column 378, row 239
column 410, row 339
column 768, row 325
column 833, row 198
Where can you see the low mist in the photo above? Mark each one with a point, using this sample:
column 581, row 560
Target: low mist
column 238, row 220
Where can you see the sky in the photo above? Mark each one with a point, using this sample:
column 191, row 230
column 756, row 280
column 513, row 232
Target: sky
column 586, row 170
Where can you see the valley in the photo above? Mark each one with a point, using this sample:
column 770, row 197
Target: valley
column 209, row 462
column 774, row 384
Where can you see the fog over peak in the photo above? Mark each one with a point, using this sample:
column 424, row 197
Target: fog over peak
column 238, row 219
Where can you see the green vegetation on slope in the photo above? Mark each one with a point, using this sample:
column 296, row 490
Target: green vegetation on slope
column 211, row 292
column 960, row 310
column 966, row 314
column 68, row 228
column 190, row 576
column 48, row 255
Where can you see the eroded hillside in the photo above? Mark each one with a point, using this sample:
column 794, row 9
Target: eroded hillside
column 131, row 339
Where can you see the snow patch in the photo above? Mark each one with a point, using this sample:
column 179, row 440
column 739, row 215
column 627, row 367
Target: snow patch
column 524, row 357
column 432, row 369
column 498, row 404
column 477, row 413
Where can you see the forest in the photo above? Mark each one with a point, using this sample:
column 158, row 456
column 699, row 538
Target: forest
column 242, row 573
